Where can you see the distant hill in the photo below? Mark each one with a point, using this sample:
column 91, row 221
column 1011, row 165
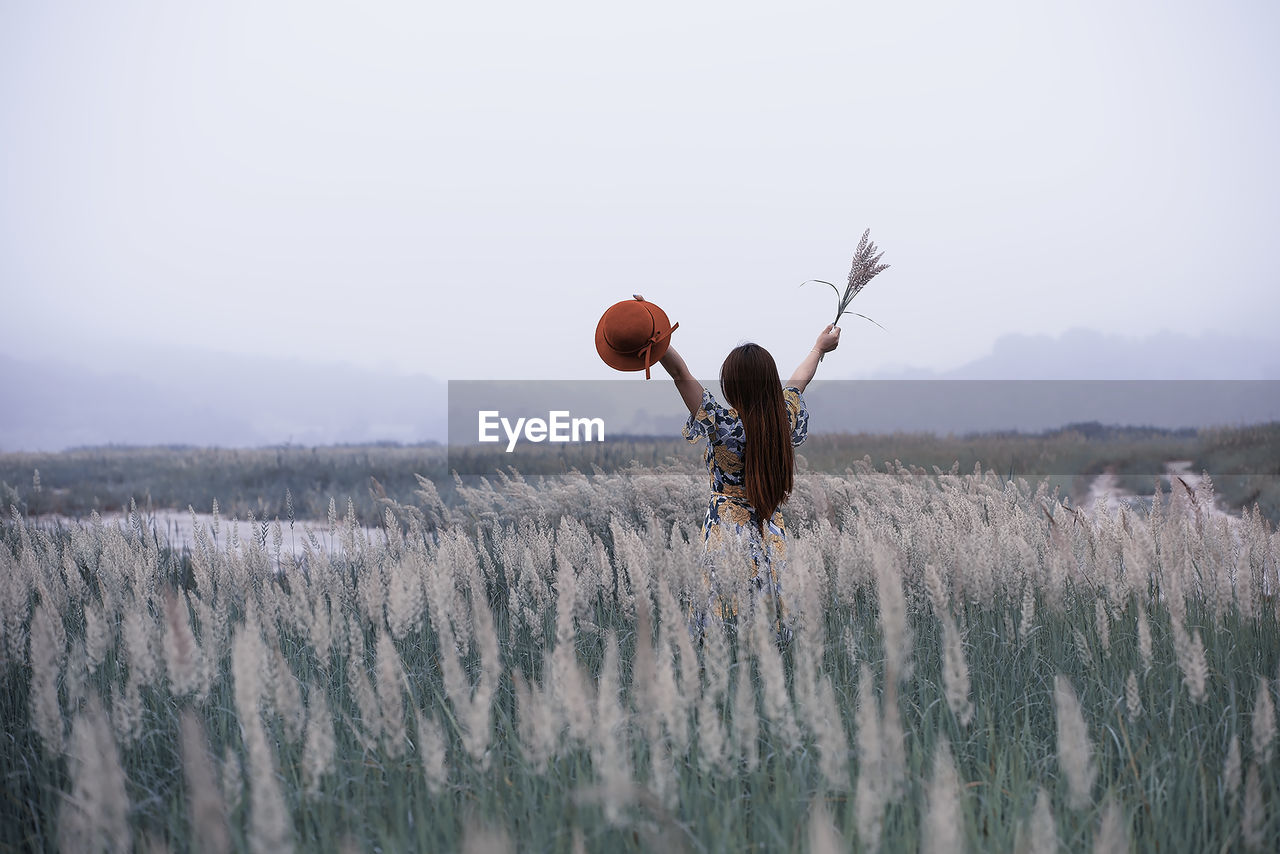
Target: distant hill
column 212, row 399
column 1083, row 354
column 136, row 396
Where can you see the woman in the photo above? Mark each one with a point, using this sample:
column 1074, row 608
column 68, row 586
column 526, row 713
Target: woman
column 751, row 462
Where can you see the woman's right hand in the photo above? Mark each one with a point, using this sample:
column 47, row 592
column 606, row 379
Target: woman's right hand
column 828, row 339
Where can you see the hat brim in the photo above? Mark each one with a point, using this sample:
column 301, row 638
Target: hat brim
column 626, row 361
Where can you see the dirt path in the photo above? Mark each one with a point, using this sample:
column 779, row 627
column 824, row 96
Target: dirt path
column 1106, row 486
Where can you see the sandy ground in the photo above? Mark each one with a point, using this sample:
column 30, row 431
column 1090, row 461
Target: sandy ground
column 1104, row 485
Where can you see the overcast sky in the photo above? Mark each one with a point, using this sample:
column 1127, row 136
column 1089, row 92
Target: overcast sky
column 460, row 189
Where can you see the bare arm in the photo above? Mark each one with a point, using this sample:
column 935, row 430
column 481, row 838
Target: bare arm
column 828, row 340
column 690, row 389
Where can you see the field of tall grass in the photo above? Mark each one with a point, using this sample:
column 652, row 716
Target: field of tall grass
column 974, row 666
column 278, row 481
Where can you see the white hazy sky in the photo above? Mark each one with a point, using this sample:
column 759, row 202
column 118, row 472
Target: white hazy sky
column 461, row 189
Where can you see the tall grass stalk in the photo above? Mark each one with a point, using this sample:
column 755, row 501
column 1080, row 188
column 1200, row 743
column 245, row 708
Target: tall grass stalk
column 976, row 666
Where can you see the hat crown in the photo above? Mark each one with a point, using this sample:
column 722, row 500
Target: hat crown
column 633, row 334
column 628, row 326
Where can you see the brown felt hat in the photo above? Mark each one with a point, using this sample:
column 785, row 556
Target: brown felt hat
column 633, row 334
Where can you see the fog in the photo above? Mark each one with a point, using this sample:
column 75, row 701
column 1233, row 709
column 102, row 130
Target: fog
column 458, row 191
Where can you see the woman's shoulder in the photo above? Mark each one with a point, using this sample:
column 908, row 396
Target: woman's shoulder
column 797, row 413
column 712, row 420
column 723, row 410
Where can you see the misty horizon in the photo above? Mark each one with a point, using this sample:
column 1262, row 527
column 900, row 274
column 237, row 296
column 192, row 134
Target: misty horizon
column 195, row 398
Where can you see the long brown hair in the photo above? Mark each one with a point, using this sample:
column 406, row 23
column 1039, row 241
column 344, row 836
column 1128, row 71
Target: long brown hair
column 749, row 378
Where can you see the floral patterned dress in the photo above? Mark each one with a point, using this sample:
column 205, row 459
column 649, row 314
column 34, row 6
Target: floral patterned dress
column 731, row 512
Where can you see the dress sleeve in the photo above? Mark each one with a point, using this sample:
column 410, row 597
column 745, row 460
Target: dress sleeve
column 706, row 422
column 797, row 412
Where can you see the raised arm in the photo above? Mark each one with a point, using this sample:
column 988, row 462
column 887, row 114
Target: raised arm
column 690, row 389
column 828, row 340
